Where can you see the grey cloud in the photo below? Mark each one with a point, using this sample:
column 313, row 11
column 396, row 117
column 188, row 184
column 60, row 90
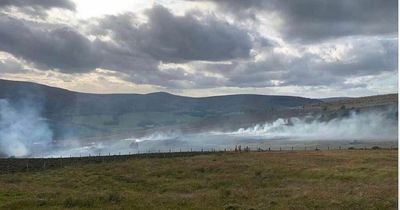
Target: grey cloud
column 35, row 8
column 315, row 20
column 56, row 47
column 136, row 50
column 172, row 38
column 11, row 66
column 45, row 4
column 368, row 57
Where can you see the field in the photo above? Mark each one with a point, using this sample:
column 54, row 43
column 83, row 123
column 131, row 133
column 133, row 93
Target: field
column 345, row 179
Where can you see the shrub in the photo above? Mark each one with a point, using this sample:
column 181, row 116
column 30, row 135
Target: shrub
column 114, row 197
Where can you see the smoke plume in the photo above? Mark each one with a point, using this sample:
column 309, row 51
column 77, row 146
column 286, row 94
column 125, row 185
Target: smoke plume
column 22, row 129
column 371, row 125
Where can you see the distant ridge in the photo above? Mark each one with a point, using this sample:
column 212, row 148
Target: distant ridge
column 366, row 101
column 61, row 101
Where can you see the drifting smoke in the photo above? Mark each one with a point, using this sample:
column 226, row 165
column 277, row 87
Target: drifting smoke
column 372, row 125
column 24, row 133
column 22, row 129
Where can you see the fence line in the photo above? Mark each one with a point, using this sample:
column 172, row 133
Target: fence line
column 11, row 165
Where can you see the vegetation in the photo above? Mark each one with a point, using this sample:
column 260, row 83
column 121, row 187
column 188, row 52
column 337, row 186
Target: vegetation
column 346, row 179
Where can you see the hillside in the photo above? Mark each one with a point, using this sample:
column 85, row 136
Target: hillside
column 355, row 103
column 105, row 116
column 59, row 101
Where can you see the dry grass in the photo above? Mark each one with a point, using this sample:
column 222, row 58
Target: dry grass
column 278, row 180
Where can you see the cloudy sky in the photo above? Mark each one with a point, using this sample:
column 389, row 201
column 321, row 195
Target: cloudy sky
column 312, row 48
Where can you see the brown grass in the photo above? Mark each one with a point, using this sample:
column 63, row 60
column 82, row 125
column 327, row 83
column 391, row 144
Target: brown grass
column 344, row 179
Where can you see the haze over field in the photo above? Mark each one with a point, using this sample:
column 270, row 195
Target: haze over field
column 33, row 122
column 125, row 76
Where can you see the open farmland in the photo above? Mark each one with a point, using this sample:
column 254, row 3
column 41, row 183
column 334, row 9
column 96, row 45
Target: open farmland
column 336, row 179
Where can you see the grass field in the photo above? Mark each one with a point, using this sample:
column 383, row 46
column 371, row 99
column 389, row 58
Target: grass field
column 346, row 179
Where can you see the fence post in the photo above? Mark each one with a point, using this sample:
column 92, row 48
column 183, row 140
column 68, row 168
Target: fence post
column 280, row 148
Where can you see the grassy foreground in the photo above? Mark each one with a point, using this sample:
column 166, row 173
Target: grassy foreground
column 359, row 179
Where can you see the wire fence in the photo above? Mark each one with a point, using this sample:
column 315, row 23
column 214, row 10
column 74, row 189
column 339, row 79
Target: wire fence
column 12, row 165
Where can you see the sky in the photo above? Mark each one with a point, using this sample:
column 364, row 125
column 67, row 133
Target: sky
column 310, row 48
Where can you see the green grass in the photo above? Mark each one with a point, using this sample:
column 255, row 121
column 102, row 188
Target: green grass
column 359, row 179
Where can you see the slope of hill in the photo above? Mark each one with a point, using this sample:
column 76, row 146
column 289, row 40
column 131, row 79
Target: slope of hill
column 59, row 101
column 333, row 99
column 354, row 103
column 91, row 116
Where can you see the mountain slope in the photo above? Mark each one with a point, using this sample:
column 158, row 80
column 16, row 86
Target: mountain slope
column 64, row 102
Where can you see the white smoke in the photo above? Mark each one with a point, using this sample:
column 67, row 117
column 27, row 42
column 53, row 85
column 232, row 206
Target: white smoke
column 372, row 125
column 22, row 129
column 23, row 132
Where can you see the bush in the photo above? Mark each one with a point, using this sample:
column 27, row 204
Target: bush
column 375, row 147
column 114, row 198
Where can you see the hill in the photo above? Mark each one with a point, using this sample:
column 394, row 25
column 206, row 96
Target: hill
column 91, row 117
column 355, row 103
column 59, row 101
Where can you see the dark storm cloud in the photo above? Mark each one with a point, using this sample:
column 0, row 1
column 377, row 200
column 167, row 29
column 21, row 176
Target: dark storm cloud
column 314, row 20
column 172, row 38
column 47, row 46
